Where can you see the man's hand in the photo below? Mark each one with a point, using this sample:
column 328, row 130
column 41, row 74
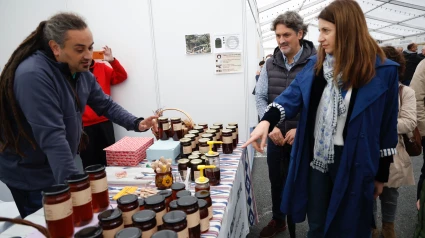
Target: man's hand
column 107, row 54
column 148, row 123
column 277, row 137
column 418, row 204
column 379, row 186
column 290, row 137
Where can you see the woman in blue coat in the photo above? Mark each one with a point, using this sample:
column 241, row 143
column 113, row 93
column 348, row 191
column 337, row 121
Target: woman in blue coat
column 347, row 134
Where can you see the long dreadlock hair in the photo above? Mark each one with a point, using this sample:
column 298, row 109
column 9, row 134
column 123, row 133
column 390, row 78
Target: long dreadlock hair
column 53, row 29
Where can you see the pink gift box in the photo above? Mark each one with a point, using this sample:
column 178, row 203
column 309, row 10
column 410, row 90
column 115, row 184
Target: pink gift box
column 129, row 151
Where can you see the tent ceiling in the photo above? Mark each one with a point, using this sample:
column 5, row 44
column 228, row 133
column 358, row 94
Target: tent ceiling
column 386, row 19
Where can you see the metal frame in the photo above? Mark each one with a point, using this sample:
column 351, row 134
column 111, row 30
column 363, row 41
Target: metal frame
column 403, row 4
column 392, row 23
column 272, row 5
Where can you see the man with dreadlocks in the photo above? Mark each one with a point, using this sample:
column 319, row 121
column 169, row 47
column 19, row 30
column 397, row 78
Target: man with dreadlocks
column 44, row 89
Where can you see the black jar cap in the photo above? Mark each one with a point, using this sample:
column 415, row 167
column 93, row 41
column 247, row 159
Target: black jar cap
column 90, row 232
column 187, row 201
column 155, row 199
column 183, row 193
column 55, row 190
column 127, row 199
column 165, row 193
column 130, row 232
column 144, row 216
column 202, row 194
column 173, row 204
column 165, row 234
column 174, row 217
column 76, row 178
column 95, row 168
column 178, row 186
column 141, row 202
column 109, row 215
column 202, row 203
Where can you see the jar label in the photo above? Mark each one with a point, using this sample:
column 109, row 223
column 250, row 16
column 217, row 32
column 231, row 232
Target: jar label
column 205, row 224
column 98, row 186
column 234, row 135
column 159, row 216
column 193, row 144
column 210, row 212
column 227, row 140
column 193, row 219
column 126, row 216
column 81, row 197
column 237, row 130
column 203, row 149
column 166, row 126
column 149, row 233
column 111, row 233
column 196, row 174
column 197, row 140
column 177, row 127
column 54, row 212
column 183, row 173
column 187, row 149
column 183, row 234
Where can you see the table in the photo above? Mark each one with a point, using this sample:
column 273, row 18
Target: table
column 233, row 204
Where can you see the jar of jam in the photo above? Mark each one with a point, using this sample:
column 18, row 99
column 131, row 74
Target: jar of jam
column 182, row 167
column 90, row 232
column 129, row 205
column 200, row 130
column 196, row 153
column 220, row 125
column 192, row 138
column 197, row 137
column 168, row 198
column 175, row 188
column 157, row 204
column 234, row 135
column 183, row 193
column 176, row 221
column 165, row 234
column 111, row 222
column 214, row 137
column 141, row 204
column 57, row 204
column 173, row 205
column 205, row 195
column 164, row 128
column 218, row 134
column 176, row 125
column 204, row 160
column 204, row 125
column 203, row 213
column 213, row 174
column 192, row 157
column 227, row 141
column 131, row 232
column 146, row 221
column 202, row 185
column 186, row 147
column 190, row 206
column 203, row 145
column 79, row 185
column 237, row 130
column 99, row 187
column 194, row 172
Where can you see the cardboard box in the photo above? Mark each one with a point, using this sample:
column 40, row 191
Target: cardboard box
column 129, row 151
column 170, row 149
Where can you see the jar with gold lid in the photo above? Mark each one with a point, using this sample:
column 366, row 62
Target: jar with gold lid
column 203, row 145
column 237, row 130
column 227, row 141
column 186, row 147
column 204, row 125
column 213, row 174
column 234, row 135
column 194, row 173
column 182, row 166
column 200, row 130
column 192, row 138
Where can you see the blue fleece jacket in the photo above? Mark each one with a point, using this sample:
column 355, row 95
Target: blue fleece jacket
column 53, row 119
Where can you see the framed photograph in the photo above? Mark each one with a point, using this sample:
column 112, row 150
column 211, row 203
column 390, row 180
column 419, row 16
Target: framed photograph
column 198, row 44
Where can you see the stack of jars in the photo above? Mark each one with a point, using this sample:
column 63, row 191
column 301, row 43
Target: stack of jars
column 170, row 128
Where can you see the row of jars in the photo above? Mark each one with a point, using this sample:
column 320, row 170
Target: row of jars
column 195, row 159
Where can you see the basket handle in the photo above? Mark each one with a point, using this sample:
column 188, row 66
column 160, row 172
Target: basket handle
column 43, row 230
column 176, row 109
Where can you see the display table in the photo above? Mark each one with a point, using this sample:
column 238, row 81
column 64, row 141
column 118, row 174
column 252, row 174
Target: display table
column 234, row 208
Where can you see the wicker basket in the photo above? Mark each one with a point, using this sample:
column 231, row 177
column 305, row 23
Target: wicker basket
column 187, row 124
column 43, row 230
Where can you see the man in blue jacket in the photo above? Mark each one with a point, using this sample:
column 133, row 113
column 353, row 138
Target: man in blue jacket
column 44, row 89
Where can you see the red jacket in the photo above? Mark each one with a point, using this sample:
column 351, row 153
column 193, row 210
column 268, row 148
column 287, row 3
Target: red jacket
column 105, row 76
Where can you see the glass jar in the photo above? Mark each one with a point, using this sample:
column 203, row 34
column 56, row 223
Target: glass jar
column 185, row 147
column 204, row 160
column 197, row 137
column 205, row 195
column 79, row 185
column 183, row 193
column 129, row 205
column 164, row 128
column 196, row 153
column 146, row 221
column 57, row 204
column 163, row 180
column 213, row 174
column 192, row 138
column 99, row 187
column 173, row 205
column 217, row 134
column 167, row 195
column 204, row 125
column 176, row 221
column 200, row 130
column 237, row 130
column 190, row 206
column 203, row 145
column 176, row 125
column 220, row 125
column 194, row 172
column 214, row 137
column 192, row 157
column 182, row 167
column 227, row 141
column 111, row 222
column 234, row 135
column 203, row 213
column 204, row 185
column 90, row 232
column 141, row 204
column 165, row 234
column 175, row 188
column 131, row 232
column 157, row 204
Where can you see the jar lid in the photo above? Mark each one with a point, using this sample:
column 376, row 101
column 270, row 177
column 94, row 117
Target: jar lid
column 187, row 201
column 212, row 154
column 231, row 127
column 183, row 193
column 178, row 186
column 226, row 131
column 204, row 181
column 109, row 215
column 175, row 118
column 189, row 136
column 233, row 124
column 194, row 132
column 77, row 178
column 183, row 161
column 198, row 128
column 162, row 118
column 130, row 232
column 127, row 199
column 55, row 190
column 210, row 132
column 204, row 140
column 202, row 203
column 204, row 157
column 185, row 140
column 192, row 157
column 196, row 152
column 206, row 135
column 95, row 168
column 215, row 127
column 141, row 202
column 144, row 216
column 154, row 199
column 173, row 204
column 165, row 234
column 90, row 232
column 202, row 194
column 165, row 193
column 202, row 124
column 195, row 161
column 174, row 217
column 218, row 124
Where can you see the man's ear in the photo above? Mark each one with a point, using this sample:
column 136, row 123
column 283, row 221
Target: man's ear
column 55, row 47
column 300, row 34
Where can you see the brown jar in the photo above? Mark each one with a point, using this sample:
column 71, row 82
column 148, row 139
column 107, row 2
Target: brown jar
column 176, row 221
column 90, row 232
column 227, row 142
column 217, row 134
column 57, row 204
column 99, row 187
column 146, row 221
column 196, row 153
column 192, row 157
column 220, row 125
column 200, row 129
column 183, row 193
column 79, row 185
column 214, row 138
column 129, row 205
column 213, row 174
column 185, row 147
column 237, row 130
column 182, row 167
column 204, row 125
column 202, row 185
column 165, row 234
column 203, row 145
column 197, row 137
column 167, row 195
column 177, row 130
column 141, row 204
column 157, row 204
column 164, row 128
column 234, row 135
column 111, row 222
column 192, row 138
column 203, row 213
column 175, row 188
column 205, row 195
column 205, row 160
column 173, row 205
column 194, row 172
column 190, row 206
column 131, row 232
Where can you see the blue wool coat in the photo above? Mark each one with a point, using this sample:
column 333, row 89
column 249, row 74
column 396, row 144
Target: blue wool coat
column 371, row 134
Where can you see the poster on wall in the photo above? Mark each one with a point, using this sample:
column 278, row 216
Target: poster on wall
column 198, row 44
column 227, row 43
column 228, row 63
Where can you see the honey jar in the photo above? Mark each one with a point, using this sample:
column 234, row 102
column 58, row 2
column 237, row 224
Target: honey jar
column 90, row 232
column 200, row 130
column 218, row 134
column 146, row 221
column 227, row 141
column 192, row 138
column 79, row 185
column 182, row 167
column 214, row 138
column 130, row 232
column 157, row 204
column 173, row 205
column 111, row 222
column 176, row 125
column 141, row 204
column 129, row 205
column 234, row 135
column 183, row 193
column 164, row 128
column 204, row 125
column 205, row 195
column 99, row 187
column 213, row 174
column 190, row 206
column 203, row 145
column 167, row 195
column 220, row 125
column 176, row 221
column 203, row 213
column 175, row 188
column 186, row 147
column 165, row 234
column 197, row 137
column 237, row 130
column 194, row 172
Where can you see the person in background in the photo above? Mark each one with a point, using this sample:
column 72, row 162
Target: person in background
column 400, row 49
column 288, row 59
column 44, row 89
column 412, row 61
column 401, row 171
column 99, row 129
column 257, row 75
column 422, row 54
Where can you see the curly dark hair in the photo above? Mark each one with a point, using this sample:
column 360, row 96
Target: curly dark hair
column 397, row 57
